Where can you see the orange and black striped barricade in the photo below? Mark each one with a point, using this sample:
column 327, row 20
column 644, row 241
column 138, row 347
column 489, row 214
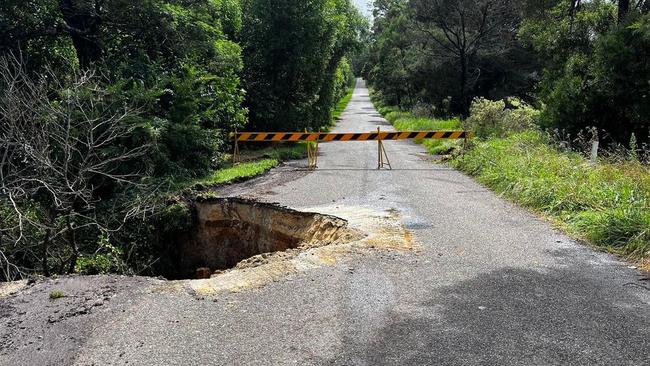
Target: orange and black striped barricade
column 324, row 137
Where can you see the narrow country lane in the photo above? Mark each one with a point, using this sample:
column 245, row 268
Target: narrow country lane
column 487, row 284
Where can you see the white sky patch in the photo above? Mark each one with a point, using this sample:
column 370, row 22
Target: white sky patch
column 364, row 6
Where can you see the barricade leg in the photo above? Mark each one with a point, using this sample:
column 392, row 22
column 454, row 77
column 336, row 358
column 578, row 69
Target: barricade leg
column 381, row 153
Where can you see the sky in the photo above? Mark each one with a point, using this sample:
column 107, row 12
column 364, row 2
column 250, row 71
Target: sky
column 363, row 6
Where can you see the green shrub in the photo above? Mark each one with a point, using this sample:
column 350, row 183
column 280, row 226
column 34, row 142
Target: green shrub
column 596, row 68
column 108, row 259
column 344, row 100
column 424, row 110
column 294, row 55
column 500, row 118
column 176, row 217
column 57, row 294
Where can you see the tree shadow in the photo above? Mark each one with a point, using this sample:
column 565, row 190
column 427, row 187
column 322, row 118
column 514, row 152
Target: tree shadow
column 514, row 317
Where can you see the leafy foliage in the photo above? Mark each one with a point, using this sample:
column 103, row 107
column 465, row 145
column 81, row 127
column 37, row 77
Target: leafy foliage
column 162, row 92
column 446, row 52
column 597, row 69
column 582, row 63
column 294, row 60
column 500, row 118
column 175, row 60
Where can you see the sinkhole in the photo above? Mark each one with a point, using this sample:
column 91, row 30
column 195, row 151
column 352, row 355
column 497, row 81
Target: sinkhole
column 227, row 231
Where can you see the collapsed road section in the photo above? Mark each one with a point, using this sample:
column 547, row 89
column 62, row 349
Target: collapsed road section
column 226, row 231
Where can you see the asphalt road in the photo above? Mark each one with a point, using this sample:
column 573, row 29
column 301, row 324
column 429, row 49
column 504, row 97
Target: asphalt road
column 490, row 284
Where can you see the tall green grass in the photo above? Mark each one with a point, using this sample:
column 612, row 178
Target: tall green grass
column 606, row 204
column 406, row 121
column 343, row 103
column 240, row 172
column 256, row 162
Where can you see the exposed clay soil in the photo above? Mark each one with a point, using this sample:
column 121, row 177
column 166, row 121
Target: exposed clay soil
column 228, row 231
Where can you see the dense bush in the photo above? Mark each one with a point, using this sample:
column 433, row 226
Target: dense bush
column 293, row 53
column 176, row 61
column 500, row 118
column 344, row 80
column 66, row 150
column 582, row 63
column 596, row 69
column 108, row 104
column 416, row 56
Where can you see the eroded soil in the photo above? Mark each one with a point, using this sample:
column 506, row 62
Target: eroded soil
column 51, row 331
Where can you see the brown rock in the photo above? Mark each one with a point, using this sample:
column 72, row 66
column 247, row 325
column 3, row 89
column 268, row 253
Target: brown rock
column 203, row 273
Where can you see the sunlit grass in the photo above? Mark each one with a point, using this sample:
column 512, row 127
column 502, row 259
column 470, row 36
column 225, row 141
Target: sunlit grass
column 240, row 171
column 406, row 121
column 606, row 204
column 254, row 163
column 343, row 103
column 263, row 161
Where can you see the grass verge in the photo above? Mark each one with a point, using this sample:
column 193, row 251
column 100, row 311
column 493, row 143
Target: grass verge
column 606, row 204
column 255, row 162
column 240, row 171
column 406, row 121
column 343, row 103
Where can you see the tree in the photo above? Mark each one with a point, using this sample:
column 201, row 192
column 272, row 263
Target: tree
column 176, row 60
column 393, row 52
column 292, row 49
column 623, row 9
column 60, row 156
column 596, row 68
column 460, row 29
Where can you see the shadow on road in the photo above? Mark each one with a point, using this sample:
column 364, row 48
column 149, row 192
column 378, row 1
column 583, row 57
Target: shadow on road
column 514, row 316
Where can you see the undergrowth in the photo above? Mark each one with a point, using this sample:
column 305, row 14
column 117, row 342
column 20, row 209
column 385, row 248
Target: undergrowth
column 343, row 103
column 407, row 121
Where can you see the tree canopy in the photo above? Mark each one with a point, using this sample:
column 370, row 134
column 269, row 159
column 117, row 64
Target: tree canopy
column 104, row 101
column 583, row 63
column 292, row 51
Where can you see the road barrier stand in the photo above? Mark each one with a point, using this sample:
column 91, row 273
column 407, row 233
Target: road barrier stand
column 312, row 154
column 314, row 139
column 382, row 153
column 236, row 158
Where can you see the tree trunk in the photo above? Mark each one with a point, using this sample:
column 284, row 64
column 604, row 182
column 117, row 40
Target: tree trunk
column 83, row 19
column 45, row 247
column 575, row 7
column 623, row 9
column 72, row 240
column 463, row 86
